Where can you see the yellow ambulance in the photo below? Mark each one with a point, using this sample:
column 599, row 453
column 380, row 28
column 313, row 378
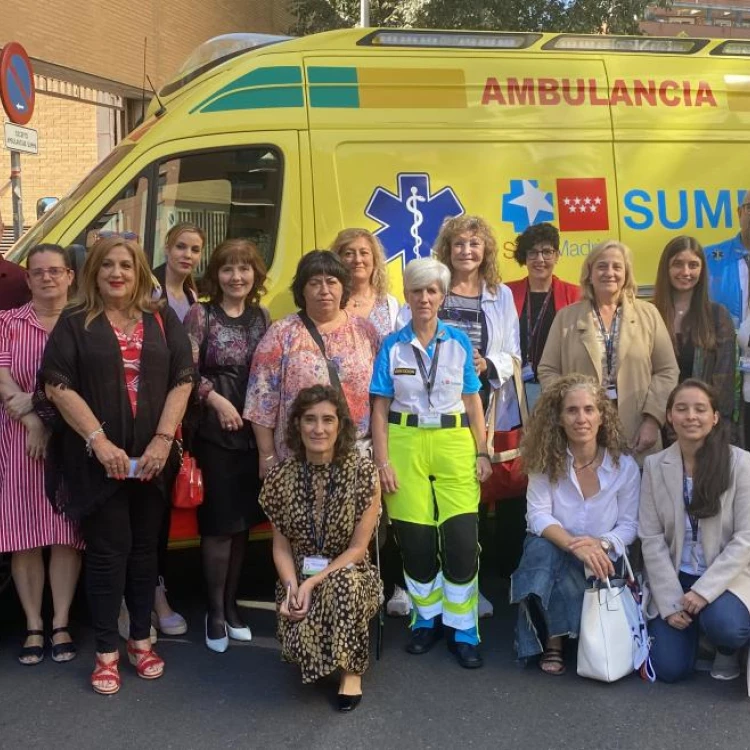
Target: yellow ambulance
column 287, row 141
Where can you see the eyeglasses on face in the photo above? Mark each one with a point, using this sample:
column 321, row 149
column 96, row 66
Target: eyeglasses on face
column 546, row 253
column 106, row 234
column 744, row 206
column 55, row 272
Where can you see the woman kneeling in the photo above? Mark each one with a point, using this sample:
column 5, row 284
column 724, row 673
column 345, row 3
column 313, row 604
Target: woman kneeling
column 694, row 524
column 582, row 505
column 324, row 504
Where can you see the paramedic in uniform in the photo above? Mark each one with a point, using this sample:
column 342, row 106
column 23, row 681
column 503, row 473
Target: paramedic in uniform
column 429, row 439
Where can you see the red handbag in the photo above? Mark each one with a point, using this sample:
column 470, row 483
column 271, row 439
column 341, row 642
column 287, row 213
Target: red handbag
column 508, row 478
column 187, row 491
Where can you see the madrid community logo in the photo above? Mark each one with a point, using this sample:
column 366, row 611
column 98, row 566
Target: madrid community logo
column 581, row 204
column 410, row 219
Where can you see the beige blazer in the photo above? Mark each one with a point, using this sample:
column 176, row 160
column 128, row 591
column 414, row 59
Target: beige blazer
column 725, row 536
column 647, row 370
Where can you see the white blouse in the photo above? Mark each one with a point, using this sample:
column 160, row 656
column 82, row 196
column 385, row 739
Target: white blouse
column 611, row 514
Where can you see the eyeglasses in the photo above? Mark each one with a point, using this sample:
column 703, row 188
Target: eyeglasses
column 547, row 253
column 55, row 272
column 106, row 234
column 744, row 206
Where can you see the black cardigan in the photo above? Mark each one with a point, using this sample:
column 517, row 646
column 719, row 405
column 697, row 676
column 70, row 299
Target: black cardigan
column 90, row 363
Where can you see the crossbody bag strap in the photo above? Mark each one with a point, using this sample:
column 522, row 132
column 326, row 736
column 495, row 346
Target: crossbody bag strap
column 333, row 375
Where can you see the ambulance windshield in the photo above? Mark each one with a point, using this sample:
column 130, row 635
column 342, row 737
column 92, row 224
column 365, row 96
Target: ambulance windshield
column 214, row 52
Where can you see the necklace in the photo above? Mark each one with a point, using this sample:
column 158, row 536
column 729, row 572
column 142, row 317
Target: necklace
column 585, row 466
column 361, row 302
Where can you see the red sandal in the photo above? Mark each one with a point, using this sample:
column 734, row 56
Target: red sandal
column 144, row 659
column 105, row 671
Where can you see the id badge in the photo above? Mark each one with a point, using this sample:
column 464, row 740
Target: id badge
column 527, row 373
column 744, row 364
column 314, row 564
column 429, row 421
column 612, row 392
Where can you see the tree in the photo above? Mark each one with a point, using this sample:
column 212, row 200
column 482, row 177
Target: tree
column 582, row 16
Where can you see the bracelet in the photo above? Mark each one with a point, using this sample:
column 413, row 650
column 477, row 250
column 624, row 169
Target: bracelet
column 484, row 455
column 382, row 466
column 90, row 439
column 269, row 458
column 165, row 437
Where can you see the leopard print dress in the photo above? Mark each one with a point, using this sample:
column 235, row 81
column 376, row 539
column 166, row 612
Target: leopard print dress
column 335, row 633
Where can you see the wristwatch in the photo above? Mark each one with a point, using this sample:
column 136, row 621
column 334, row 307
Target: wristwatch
column 606, row 545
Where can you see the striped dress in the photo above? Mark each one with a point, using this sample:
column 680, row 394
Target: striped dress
column 27, row 519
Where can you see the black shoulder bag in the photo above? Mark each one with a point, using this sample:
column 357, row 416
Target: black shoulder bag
column 333, row 374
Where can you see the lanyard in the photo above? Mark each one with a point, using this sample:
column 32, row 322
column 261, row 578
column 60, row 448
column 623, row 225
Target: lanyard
column 609, row 338
column 428, row 379
column 319, row 538
column 686, row 499
column 531, row 333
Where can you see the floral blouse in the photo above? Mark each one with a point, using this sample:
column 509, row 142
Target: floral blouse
column 288, row 360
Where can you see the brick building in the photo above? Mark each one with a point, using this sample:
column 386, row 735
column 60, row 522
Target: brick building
column 88, row 58
column 700, row 18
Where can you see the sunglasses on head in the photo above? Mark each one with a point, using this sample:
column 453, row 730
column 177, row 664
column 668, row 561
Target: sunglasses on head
column 106, row 234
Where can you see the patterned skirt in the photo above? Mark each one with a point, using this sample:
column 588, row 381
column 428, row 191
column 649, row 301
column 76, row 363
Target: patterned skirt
column 335, row 633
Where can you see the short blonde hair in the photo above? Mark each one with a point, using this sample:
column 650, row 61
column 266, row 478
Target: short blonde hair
column 451, row 228
column 379, row 278
column 629, row 289
column 89, row 296
column 422, row 272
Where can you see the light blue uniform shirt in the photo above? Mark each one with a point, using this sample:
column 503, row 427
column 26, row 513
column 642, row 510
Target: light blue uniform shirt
column 396, row 373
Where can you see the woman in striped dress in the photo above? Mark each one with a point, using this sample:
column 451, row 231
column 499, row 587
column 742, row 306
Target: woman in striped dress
column 27, row 520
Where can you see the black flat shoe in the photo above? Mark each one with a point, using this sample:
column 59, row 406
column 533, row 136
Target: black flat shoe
column 30, row 656
column 467, row 654
column 423, row 639
column 62, row 652
column 348, row 702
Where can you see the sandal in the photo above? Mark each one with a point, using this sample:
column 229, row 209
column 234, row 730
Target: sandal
column 104, row 672
column 65, row 651
column 30, row 656
column 145, row 660
column 552, row 662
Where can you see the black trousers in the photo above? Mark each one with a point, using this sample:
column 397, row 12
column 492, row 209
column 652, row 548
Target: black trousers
column 121, row 559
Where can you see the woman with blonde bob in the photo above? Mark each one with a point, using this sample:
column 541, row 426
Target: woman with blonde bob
column 118, row 367
column 582, row 508
column 361, row 252
column 618, row 340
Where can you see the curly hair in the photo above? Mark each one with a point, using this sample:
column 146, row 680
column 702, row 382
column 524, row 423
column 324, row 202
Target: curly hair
column 544, row 450
column 312, row 396
column 379, row 278
column 536, row 234
column 451, row 228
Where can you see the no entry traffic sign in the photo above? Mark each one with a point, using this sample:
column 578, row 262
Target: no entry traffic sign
column 17, row 91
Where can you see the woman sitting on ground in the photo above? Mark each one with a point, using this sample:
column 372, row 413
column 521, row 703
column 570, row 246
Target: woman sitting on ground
column 324, row 503
column 694, row 524
column 582, row 505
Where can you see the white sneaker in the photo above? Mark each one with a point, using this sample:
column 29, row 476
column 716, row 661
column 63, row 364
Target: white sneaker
column 399, row 605
column 485, row 606
column 123, row 624
column 726, row 666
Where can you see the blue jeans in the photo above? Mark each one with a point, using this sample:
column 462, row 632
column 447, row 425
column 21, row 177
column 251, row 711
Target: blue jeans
column 726, row 623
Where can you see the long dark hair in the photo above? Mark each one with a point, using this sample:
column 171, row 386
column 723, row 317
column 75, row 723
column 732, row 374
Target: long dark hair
column 698, row 323
column 306, row 399
column 712, row 461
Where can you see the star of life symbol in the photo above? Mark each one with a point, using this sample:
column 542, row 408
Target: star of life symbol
column 526, row 204
column 411, row 219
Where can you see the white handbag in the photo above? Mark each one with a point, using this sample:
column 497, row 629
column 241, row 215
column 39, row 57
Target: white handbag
column 613, row 640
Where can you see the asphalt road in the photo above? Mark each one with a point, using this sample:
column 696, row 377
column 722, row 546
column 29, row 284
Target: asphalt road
column 247, row 698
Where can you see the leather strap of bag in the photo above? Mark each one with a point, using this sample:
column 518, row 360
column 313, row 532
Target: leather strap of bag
column 333, row 375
